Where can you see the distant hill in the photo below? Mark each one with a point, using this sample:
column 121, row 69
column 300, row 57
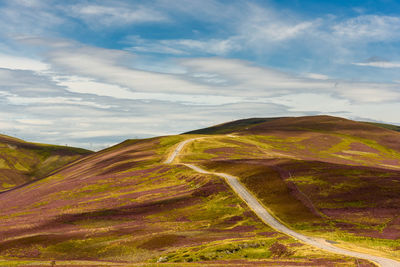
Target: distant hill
column 387, row 126
column 384, row 134
column 230, row 127
column 321, row 122
column 22, row 162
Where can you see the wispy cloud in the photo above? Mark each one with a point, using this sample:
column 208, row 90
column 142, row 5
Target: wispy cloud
column 196, row 63
column 248, row 27
column 28, row 17
column 316, row 76
column 34, row 121
column 21, row 63
column 266, row 25
column 117, row 14
column 379, row 64
column 214, row 80
column 369, row 28
column 183, row 46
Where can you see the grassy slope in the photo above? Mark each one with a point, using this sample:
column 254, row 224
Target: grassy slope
column 326, row 176
column 22, row 162
column 123, row 205
column 386, row 126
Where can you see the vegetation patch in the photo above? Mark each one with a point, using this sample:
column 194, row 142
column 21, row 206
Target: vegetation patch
column 158, row 242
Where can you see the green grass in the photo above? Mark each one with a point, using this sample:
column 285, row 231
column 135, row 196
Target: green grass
column 31, row 161
column 168, row 141
column 255, row 249
column 307, row 180
column 228, row 250
column 377, row 246
column 6, row 185
column 266, row 184
column 217, row 209
column 10, row 263
column 91, row 247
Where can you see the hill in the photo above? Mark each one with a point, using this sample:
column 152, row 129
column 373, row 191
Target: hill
column 230, row 127
column 125, row 205
column 324, row 176
column 387, row 126
column 22, row 162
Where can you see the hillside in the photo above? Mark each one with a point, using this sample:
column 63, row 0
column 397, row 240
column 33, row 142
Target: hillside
column 387, row 126
column 22, row 162
column 324, row 176
column 331, row 178
column 322, row 138
column 230, row 127
column 124, row 205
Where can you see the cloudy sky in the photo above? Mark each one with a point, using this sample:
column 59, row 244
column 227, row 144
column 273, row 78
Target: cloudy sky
column 94, row 73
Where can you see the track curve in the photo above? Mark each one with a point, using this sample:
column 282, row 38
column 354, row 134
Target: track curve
column 268, row 219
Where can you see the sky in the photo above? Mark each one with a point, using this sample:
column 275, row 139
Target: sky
column 94, row 73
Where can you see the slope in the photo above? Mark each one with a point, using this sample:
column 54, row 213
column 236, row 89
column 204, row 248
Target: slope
column 387, row 126
column 124, row 205
column 268, row 219
column 22, row 162
column 324, row 176
column 232, row 126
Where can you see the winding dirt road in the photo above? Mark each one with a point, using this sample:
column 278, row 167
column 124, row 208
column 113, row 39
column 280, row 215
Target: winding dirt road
column 267, row 218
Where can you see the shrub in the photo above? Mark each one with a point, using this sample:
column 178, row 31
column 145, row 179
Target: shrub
column 279, row 250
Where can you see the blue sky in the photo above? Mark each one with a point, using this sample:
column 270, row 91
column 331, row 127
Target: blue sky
column 93, row 73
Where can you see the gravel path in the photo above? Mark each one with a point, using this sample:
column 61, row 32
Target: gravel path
column 267, row 218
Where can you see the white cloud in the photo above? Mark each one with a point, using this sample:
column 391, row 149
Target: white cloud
column 246, row 27
column 34, row 121
column 183, row 46
column 383, row 113
column 83, row 85
column 104, row 65
column 19, row 100
column 379, row 64
column 248, row 80
column 21, row 63
column 369, row 92
column 95, row 133
column 119, row 14
column 216, row 80
column 271, row 31
column 312, row 102
column 316, row 76
column 261, row 28
column 265, row 82
column 369, row 28
column 209, row 10
column 28, row 17
column 27, row 83
column 6, row 125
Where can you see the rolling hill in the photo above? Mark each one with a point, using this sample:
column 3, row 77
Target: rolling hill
column 231, row 126
column 323, row 176
column 387, row 126
column 22, row 162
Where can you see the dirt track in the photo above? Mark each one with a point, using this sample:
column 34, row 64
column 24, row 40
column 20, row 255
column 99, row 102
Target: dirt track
column 267, row 218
